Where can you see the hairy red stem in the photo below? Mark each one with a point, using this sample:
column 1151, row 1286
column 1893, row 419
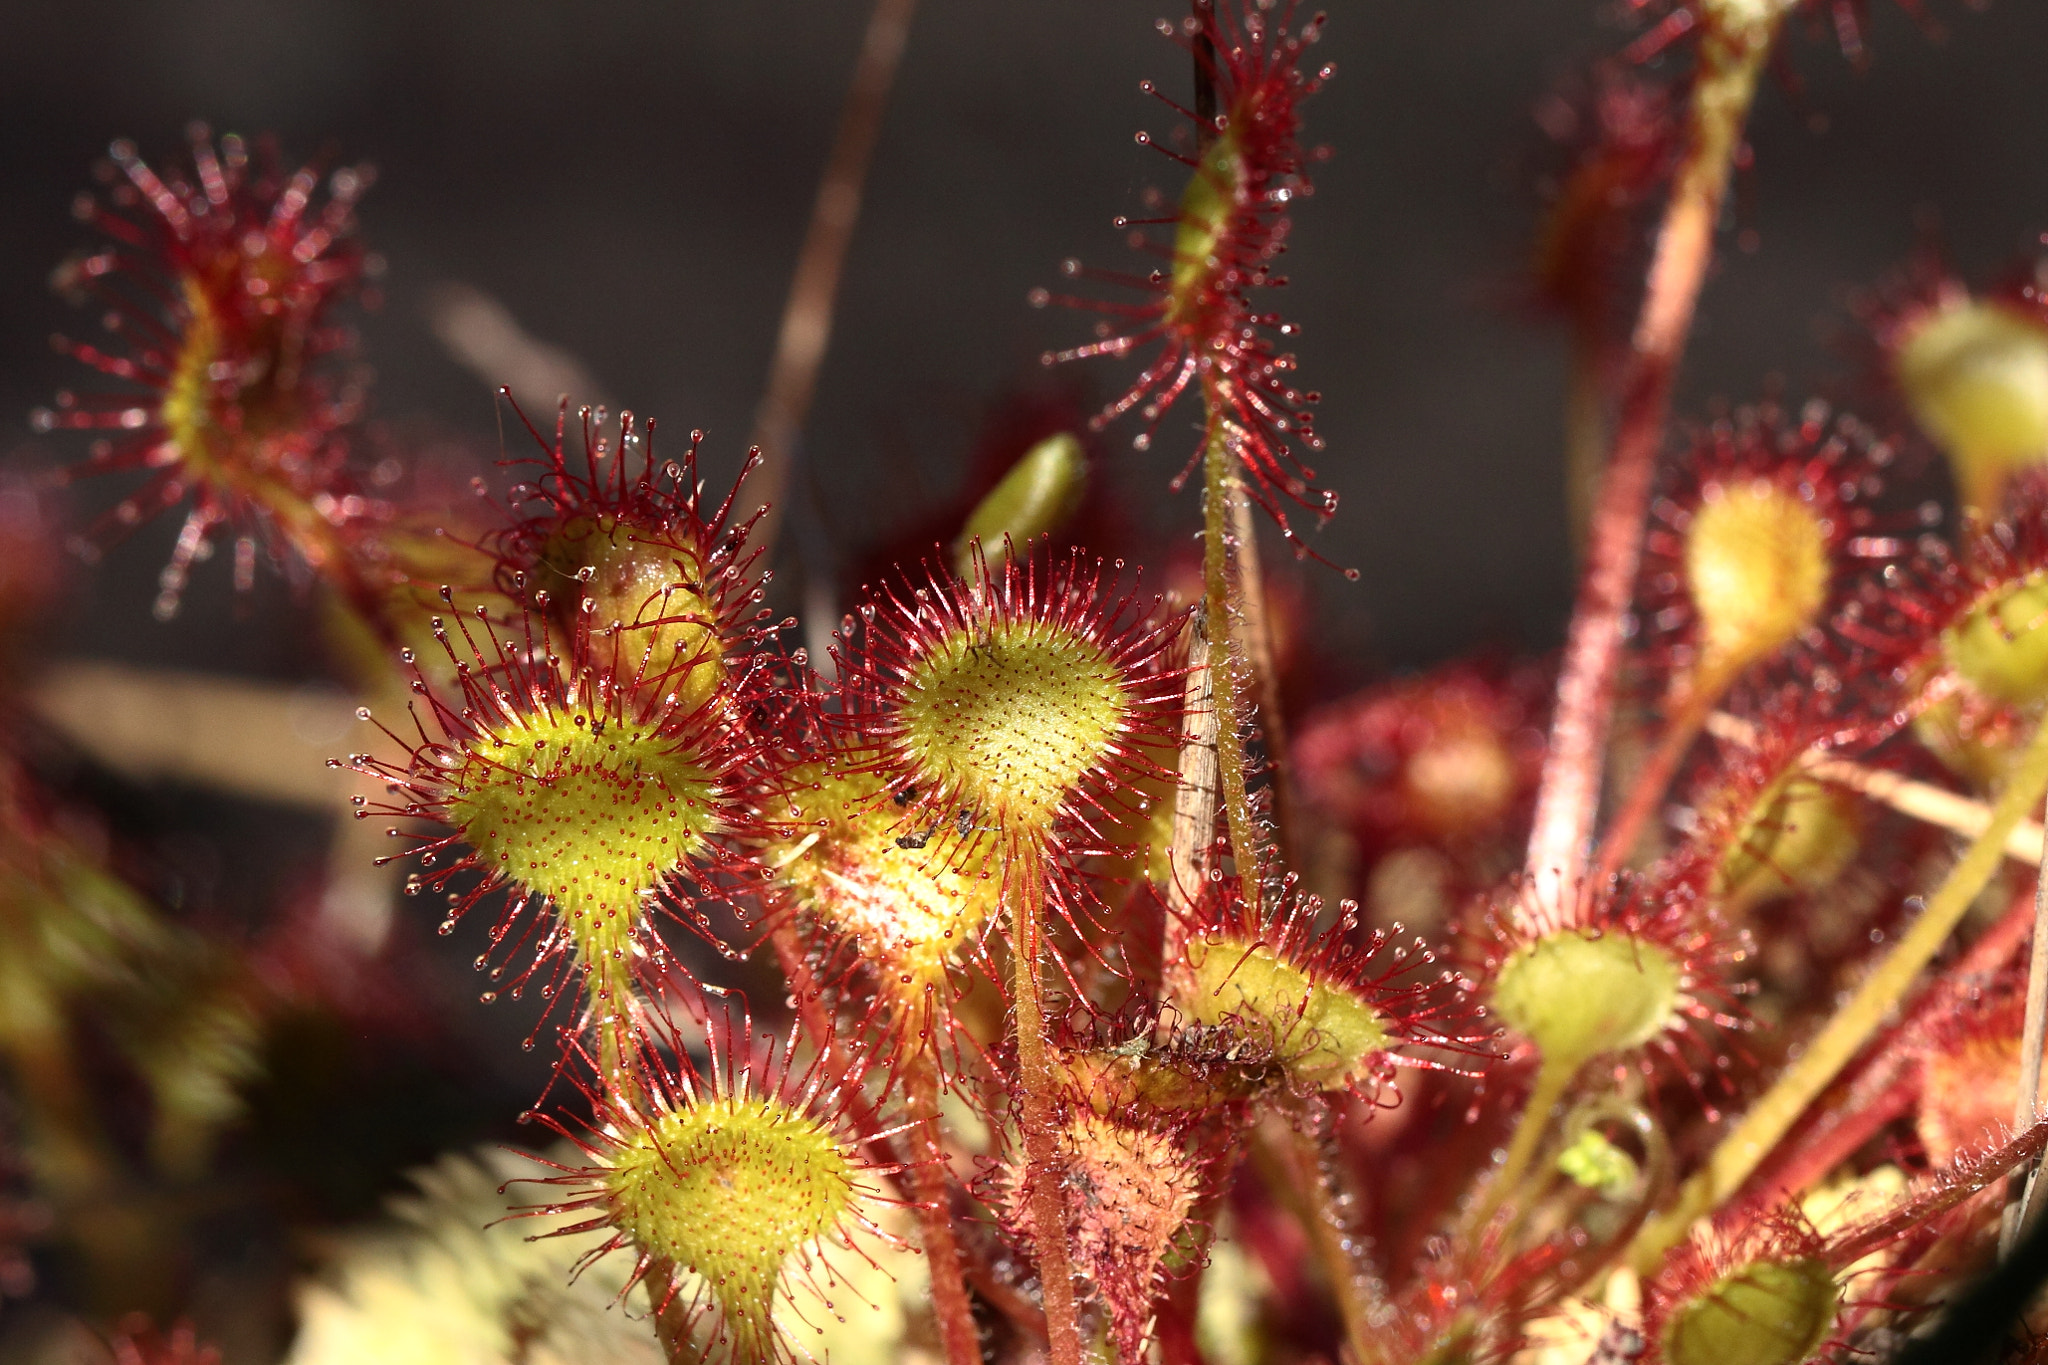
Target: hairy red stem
column 1731, row 56
column 1024, row 876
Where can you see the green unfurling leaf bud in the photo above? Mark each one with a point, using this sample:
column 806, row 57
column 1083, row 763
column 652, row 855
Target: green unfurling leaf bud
column 1039, row 495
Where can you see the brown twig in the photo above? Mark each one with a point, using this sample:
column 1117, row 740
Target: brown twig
column 814, row 289
column 1220, row 488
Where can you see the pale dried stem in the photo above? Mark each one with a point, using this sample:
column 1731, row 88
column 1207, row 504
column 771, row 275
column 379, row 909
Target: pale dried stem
column 1568, row 797
column 814, row 289
column 1220, row 488
column 1772, row 1116
column 1258, row 633
column 1922, row 801
column 1193, row 853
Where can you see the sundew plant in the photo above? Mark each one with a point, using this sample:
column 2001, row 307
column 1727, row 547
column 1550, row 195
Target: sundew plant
column 1009, row 950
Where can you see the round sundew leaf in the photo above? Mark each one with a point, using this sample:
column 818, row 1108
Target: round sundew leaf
column 1010, row 715
column 1766, row 1313
column 1577, row 994
column 731, row 1189
column 2000, row 647
column 593, row 815
column 1976, row 377
column 1321, row 1034
column 844, row 860
column 1756, row 565
column 1799, row 834
column 633, row 579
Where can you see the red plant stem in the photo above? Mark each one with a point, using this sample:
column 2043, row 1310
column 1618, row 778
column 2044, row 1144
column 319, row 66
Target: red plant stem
column 1731, row 55
column 950, row 1303
column 814, row 289
column 953, row 1267
column 1024, row 877
column 1653, row 779
column 1829, row 1144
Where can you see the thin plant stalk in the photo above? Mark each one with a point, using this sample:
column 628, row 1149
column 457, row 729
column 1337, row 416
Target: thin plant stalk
column 2026, row 1106
column 1772, row 1116
column 1258, row 632
column 1298, row 1154
column 1222, row 552
column 927, row 1173
column 1024, row 879
column 1731, row 56
column 1552, row 1080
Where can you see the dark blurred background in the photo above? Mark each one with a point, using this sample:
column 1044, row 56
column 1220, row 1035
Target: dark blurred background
column 632, row 181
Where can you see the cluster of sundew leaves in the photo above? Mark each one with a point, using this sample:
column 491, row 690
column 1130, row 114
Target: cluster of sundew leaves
column 1607, row 981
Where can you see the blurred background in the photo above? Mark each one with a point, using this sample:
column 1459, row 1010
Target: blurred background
column 631, row 182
